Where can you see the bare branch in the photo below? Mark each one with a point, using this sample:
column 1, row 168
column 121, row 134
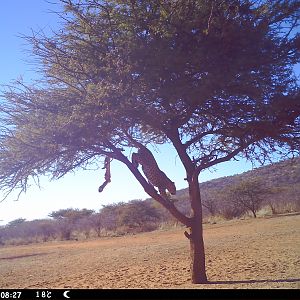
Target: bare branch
column 208, row 164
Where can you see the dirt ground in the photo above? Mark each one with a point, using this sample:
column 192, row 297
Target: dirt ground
column 262, row 253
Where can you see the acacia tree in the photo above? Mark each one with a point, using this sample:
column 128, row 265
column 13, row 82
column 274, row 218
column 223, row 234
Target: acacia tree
column 137, row 213
column 248, row 194
column 67, row 219
column 214, row 79
column 96, row 223
column 209, row 201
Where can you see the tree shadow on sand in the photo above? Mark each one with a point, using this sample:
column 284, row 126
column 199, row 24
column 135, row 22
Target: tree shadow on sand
column 22, row 256
column 255, row 281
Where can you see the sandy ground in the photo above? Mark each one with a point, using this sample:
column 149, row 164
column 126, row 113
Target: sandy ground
column 262, row 253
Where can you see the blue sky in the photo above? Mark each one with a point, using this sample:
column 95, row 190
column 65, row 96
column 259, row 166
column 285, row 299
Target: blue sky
column 77, row 190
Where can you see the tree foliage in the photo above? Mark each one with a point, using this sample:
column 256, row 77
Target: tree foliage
column 155, row 69
column 16, row 222
column 71, row 214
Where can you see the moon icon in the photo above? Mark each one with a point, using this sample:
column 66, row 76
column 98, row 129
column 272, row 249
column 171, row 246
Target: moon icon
column 66, row 294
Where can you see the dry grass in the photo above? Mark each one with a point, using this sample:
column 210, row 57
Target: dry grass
column 262, row 253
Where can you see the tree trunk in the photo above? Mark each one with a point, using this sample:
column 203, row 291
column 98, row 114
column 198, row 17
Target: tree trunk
column 198, row 269
column 273, row 209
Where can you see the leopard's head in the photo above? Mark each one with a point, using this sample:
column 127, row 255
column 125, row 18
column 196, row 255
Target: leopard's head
column 171, row 187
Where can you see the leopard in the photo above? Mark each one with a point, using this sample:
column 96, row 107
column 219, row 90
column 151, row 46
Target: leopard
column 155, row 176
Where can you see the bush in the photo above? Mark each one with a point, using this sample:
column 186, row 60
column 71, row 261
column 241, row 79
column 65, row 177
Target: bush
column 137, row 215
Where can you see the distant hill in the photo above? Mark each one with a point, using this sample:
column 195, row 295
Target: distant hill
column 284, row 177
column 284, row 173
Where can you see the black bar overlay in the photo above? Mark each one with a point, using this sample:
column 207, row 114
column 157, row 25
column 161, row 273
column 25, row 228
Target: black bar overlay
column 58, row 294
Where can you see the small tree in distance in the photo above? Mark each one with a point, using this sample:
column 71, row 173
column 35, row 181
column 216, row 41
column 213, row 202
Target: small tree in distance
column 138, row 214
column 16, row 222
column 214, row 79
column 68, row 218
column 248, row 194
column 96, row 223
column 209, row 201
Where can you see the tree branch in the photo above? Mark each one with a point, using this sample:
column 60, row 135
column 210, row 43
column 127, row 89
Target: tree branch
column 180, row 148
column 198, row 137
column 150, row 190
column 216, row 161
